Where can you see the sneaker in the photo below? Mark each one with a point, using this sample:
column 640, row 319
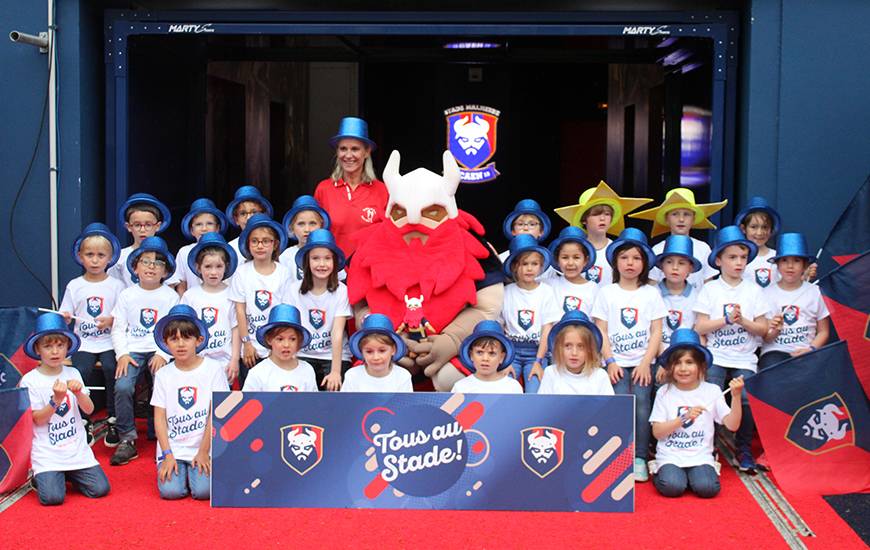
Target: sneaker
column 89, row 431
column 745, row 462
column 125, row 452
column 641, row 473
column 112, row 437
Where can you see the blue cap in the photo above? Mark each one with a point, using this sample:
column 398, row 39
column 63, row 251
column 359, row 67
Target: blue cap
column 247, row 193
column 574, row 318
column 302, row 203
column 727, row 236
column 151, row 244
column 686, row 338
column 180, row 312
column 792, row 244
column 353, row 128
column 531, row 207
column 145, row 198
column 679, row 245
column 486, row 329
column 525, row 243
column 203, row 206
column 630, row 235
column 50, row 323
column 93, row 230
column 759, row 204
column 377, row 323
column 572, row 234
column 257, row 221
column 321, row 238
column 284, row 315
column 213, row 240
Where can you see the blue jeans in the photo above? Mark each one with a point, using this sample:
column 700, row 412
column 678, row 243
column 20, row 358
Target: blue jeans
column 85, row 362
column 187, row 480
column 125, row 395
column 524, row 359
column 771, row 358
column 671, row 480
column 721, row 376
column 51, row 486
column 642, row 409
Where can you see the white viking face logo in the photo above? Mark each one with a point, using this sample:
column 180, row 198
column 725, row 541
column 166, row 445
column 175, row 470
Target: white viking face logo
column 148, row 316
column 825, row 424
column 526, row 317
column 413, row 303
column 471, row 134
column 187, row 395
column 208, row 316
column 420, row 191
column 301, row 443
column 542, row 446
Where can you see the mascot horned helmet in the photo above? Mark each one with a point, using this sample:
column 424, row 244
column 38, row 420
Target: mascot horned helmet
column 421, row 197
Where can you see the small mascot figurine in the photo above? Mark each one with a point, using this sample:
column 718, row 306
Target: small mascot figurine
column 415, row 324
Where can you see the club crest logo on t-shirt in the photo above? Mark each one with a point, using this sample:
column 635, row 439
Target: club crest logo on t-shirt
column 628, row 315
column 95, row 306
column 289, row 387
column 675, row 319
column 571, row 303
column 762, row 276
column 299, row 273
column 790, row 314
column 187, row 396
column 263, row 299
column 594, row 274
column 368, row 214
column 728, row 311
column 147, row 317
column 682, row 410
column 317, row 317
column 209, row 316
column 63, row 407
column 526, row 318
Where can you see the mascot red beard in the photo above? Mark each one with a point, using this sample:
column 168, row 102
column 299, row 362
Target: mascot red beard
column 427, row 248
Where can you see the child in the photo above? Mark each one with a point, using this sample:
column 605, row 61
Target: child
column 379, row 347
column 92, row 296
column 136, row 313
column 676, row 263
column 203, row 217
column 573, row 256
column 759, row 222
column 182, row 405
column 247, row 201
column 575, row 343
column 303, row 217
column 527, row 218
column 800, row 322
column 529, row 309
column 143, row 216
column 683, row 418
column 213, row 261
column 486, row 352
column 630, row 313
column 284, row 335
column 60, row 450
column 731, row 313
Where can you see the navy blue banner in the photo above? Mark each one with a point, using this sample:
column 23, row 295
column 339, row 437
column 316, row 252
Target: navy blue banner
column 424, row 451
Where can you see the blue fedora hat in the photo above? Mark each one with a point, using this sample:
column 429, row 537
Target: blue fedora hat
column 261, row 220
column 679, row 245
column 213, row 240
column 50, row 323
column 532, row 208
column 284, row 315
column 145, row 198
column 377, row 323
column 203, row 206
column 247, row 193
column 685, row 338
column 301, row 204
column 573, row 318
column 353, row 128
column 525, row 243
column 180, row 312
column 759, row 204
column 321, row 238
column 630, row 235
column 486, row 329
column 151, row 244
column 97, row 229
column 792, row 244
column 727, row 236
column 572, row 234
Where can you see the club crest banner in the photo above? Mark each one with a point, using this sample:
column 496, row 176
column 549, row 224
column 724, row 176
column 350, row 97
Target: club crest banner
column 471, row 137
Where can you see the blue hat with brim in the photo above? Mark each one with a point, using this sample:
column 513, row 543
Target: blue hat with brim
column 792, row 245
column 377, row 323
column 97, row 229
column 759, row 204
column 632, row 236
column 486, row 329
column 352, row 128
column 213, row 240
column 321, row 238
column 301, row 204
column 247, row 193
column 255, row 222
column 685, row 338
column 145, row 198
column 151, row 244
column 532, row 208
column 525, row 243
column 50, row 323
column 180, row 312
column 203, row 206
column 572, row 234
column 679, row 245
column 284, row 315
column 728, row 236
column 574, row 318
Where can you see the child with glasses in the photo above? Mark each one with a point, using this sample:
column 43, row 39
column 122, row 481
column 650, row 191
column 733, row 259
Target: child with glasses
column 143, row 216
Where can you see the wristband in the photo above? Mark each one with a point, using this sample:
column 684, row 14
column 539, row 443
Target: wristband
column 539, row 360
column 813, row 348
column 52, row 403
column 165, row 453
column 609, row 360
column 245, row 339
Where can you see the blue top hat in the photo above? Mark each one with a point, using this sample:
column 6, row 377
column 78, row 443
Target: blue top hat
column 525, row 243
column 247, row 193
column 684, row 338
column 531, row 207
column 572, row 234
column 261, row 220
column 203, row 206
column 572, row 318
column 50, row 323
column 630, row 235
column 757, row 204
column 792, row 244
column 321, row 238
column 302, row 203
column 727, row 236
column 213, row 240
column 284, row 315
column 93, row 230
column 180, row 312
column 145, row 198
column 679, row 245
column 486, row 329
column 151, row 244
column 354, row 128
column 377, row 323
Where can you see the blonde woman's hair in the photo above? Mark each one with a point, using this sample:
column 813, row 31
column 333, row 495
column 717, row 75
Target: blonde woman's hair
column 593, row 356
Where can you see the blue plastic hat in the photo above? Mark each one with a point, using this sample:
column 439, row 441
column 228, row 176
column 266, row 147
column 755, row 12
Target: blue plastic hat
column 531, row 207
column 93, row 230
column 151, row 244
column 50, row 323
column 525, row 243
column 213, row 240
column 759, row 204
column 180, row 312
column 630, row 235
column 203, row 206
column 486, row 329
column 261, row 220
column 284, row 315
column 679, row 245
column 572, row 234
column 354, row 128
column 377, row 323
column 145, row 198
column 792, row 244
column 301, row 204
column 727, row 236
column 686, row 338
column 574, row 318
column 321, row 238
column 247, row 193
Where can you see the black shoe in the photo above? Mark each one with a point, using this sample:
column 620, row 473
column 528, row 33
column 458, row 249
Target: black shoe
column 89, row 431
column 125, row 452
column 112, row 437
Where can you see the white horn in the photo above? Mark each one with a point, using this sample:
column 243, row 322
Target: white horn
column 451, row 172
column 391, row 171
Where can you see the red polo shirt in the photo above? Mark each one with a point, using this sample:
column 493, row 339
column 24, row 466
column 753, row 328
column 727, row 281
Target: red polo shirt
column 351, row 210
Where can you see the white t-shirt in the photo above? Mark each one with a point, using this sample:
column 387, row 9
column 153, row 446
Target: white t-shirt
column 318, row 313
column 692, row 444
column 218, row 312
column 525, row 312
column 701, row 251
column 186, row 397
column 629, row 314
column 234, row 244
column 681, row 312
column 288, row 259
column 572, row 297
column 600, row 272
column 119, row 270
column 136, row 314
column 60, row 445
column 763, row 273
column 561, row 381
column 546, row 276
column 358, row 380
column 182, row 271
column 259, row 293
column 732, row 346
column 267, row 376
column 88, row 300
column 801, row 309
column 473, row 384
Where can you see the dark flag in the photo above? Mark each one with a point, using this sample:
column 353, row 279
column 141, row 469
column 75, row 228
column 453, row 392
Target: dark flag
column 813, row 420
column 16, row 324
column 850, row 236
column 16, row 437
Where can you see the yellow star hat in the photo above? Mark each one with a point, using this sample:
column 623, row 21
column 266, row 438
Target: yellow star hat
column 602, row 194
column 679, row 198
